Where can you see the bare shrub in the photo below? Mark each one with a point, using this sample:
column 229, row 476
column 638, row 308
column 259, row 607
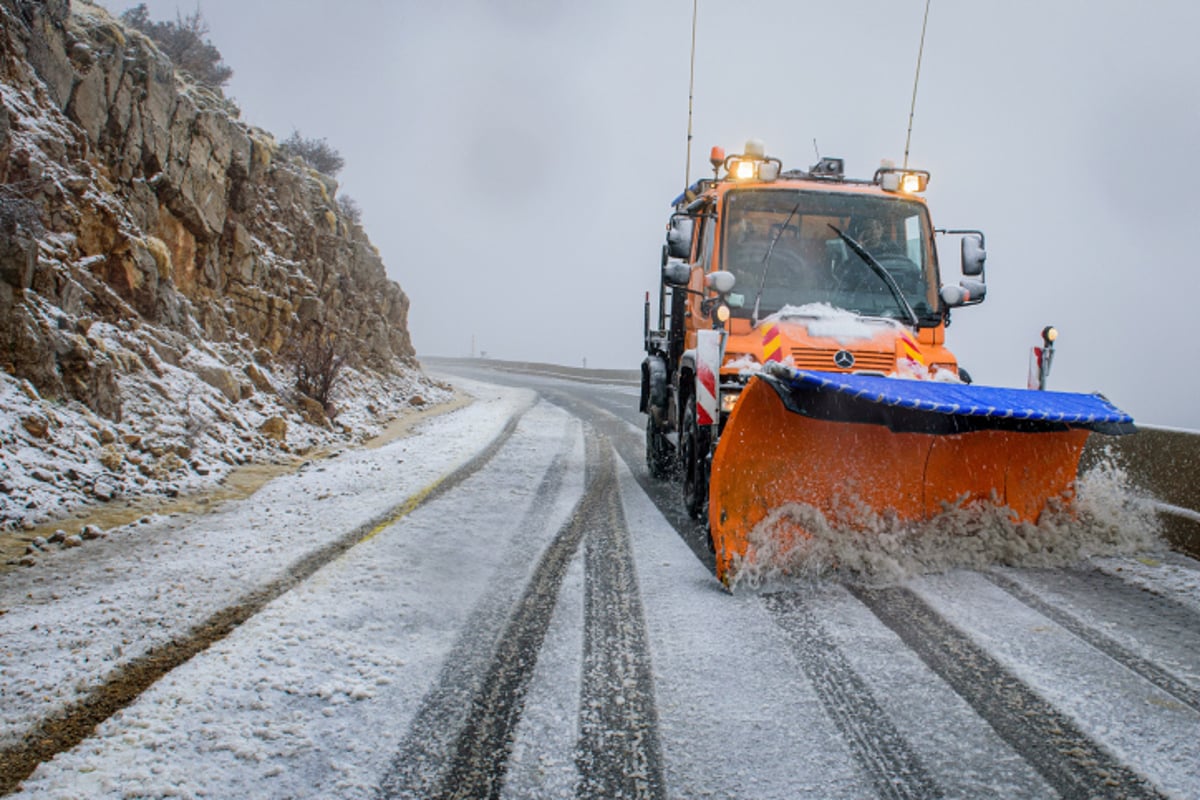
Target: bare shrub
column 184, row 42
column 317, row 360
column 350, row 209
column 317, row 153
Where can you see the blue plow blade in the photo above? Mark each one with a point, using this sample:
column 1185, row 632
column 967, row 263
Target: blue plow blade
column 937, row 407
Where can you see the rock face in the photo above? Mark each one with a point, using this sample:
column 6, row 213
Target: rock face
column 160, row 208
column 157, row 258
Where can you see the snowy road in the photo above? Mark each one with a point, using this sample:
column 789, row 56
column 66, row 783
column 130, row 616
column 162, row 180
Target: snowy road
column 505, row 605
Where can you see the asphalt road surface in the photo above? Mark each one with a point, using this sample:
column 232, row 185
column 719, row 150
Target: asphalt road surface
column 1069, row 682
column 543, row 622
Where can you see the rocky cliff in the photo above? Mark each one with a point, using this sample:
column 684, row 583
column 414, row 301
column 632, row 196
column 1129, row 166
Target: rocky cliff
column 159, row 261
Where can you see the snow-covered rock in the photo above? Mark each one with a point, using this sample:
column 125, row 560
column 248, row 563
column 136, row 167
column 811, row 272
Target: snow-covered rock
column 158, row 257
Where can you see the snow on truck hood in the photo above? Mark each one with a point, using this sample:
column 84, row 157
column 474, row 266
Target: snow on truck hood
column 828, row 322
column 850, row 330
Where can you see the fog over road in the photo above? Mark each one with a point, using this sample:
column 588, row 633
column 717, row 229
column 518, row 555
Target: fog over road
column 518, row 610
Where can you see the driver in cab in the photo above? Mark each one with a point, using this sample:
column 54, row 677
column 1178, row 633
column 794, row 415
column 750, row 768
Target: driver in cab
column 872, row 237
column 787, row 267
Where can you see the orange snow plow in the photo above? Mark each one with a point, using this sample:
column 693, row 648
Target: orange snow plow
column 846, row 443
column 800, row 359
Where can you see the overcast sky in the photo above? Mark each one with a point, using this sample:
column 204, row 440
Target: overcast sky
column 515, row 159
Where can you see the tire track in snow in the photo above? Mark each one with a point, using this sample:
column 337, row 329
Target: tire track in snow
column 1073, row 764
column 121, row 688
column 461, row 735
column 625, row 426
column 629, row 441
column 618, row 753
column 1100, row 641
column 884, row 754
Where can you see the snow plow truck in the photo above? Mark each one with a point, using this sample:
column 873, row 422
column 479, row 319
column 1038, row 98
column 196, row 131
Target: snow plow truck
column 799, row 357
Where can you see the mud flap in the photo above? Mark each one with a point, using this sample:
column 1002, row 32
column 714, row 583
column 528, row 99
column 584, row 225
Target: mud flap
column 906, row 448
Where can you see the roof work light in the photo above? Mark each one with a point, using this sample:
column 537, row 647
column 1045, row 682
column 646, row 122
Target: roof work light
column 752, row 164
column 906, row 181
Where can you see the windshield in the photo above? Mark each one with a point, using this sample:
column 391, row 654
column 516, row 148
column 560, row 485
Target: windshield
column 810, row 263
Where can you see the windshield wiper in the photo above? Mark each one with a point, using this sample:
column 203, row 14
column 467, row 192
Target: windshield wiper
column 767, row 263
column 886, row 276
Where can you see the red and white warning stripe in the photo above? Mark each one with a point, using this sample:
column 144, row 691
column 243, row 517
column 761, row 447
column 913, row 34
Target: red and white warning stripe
column 708, row 366
column 1035, row 369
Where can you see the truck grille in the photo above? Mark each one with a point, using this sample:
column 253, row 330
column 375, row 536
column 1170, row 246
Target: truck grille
column 864, row 360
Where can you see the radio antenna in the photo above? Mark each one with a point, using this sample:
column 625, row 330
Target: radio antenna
column 916, row 80
column 687, row 167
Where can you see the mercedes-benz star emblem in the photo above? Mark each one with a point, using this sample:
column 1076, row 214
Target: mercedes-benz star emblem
column 844, row 359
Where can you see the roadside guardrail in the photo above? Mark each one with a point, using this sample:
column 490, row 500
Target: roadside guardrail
column 1165, row 462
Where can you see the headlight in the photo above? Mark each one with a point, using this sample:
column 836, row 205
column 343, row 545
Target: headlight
column 729, row 400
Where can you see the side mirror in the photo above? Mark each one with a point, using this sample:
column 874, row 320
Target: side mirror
column 679, row 237
column 953, row 296
column 676, row 273
column 967, row 293
column 720, row 281
column 973, row 254
column 976, row 291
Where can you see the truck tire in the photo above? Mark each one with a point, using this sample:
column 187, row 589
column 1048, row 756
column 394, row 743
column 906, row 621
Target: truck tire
column 694, row 443
column 658, row 451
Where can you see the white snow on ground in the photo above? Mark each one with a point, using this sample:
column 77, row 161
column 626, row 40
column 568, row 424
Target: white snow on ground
column 1147, row 632
column 1140, row 723
column 1162, row 576
column 965, row 756
column 75, row 618
column 737, row 717
column 542, row 764
column 312, row 696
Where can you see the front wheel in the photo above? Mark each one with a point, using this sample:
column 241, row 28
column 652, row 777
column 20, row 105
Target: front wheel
column 694, row 444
